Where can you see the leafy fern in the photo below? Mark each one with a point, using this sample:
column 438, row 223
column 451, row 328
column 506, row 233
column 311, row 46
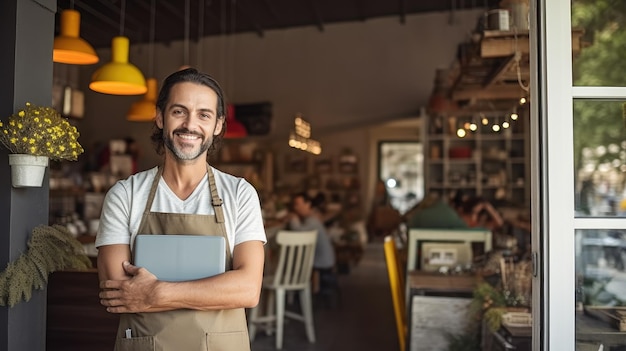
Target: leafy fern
column 50, row 248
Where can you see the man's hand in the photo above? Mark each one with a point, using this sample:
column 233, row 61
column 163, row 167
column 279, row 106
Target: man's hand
column 136, row 294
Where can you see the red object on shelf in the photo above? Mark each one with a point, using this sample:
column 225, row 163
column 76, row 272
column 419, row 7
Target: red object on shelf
column 234, row 128
column 460, row 152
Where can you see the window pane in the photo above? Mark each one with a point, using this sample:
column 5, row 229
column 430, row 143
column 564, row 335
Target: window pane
column 599, row 158
column 598, row 42
column 601, row 288
column 401, row 168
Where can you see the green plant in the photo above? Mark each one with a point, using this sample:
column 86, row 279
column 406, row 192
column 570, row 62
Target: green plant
column 486, row 296
column 49, row 249
column 41, row 131
column 488, row 303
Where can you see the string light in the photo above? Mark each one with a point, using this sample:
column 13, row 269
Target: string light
column 461, row 133
column 300, row 137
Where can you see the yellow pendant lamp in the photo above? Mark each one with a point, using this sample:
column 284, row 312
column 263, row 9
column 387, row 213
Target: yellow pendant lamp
column 144, row 110
column 119, row 77
column 69, row 47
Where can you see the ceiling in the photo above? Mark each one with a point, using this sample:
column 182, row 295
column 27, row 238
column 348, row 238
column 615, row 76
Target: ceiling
column 102, row 19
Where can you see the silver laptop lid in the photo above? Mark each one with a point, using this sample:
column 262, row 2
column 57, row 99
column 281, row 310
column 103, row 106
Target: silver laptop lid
column 180, row 257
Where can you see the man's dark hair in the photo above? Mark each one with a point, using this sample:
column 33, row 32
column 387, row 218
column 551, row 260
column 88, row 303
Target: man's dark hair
column 190, row 75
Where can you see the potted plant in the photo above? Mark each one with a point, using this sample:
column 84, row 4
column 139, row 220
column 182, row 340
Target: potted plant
column 33, row 136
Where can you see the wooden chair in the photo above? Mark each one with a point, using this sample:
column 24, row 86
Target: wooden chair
column 293, row 273
column 397, row 288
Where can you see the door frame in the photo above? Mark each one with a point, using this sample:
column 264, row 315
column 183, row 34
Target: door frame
column 552, row 168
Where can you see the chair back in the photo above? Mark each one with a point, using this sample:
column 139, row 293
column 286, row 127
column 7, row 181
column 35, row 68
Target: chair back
column 397, row 289
column 295, row 261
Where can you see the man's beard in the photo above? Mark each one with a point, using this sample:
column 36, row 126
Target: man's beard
column 181, row 154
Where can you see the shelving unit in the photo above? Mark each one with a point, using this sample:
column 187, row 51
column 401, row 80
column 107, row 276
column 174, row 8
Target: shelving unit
column 484, row 163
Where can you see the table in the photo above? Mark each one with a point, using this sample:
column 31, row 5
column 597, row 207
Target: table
column 421, row 282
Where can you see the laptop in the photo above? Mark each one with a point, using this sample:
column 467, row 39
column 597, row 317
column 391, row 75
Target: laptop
column 177, row 258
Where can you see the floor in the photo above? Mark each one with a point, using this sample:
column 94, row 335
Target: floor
column 361, row 320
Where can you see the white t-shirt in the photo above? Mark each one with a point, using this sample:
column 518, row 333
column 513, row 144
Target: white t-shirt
column 125, row 202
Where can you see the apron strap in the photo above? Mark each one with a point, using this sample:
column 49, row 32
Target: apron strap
column 216, row 201
column 153, row 189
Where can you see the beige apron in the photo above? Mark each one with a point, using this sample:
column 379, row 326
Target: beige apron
column 184, row 329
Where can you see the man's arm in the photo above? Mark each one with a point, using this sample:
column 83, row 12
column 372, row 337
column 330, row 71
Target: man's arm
column 142, row 292
column 110, row 259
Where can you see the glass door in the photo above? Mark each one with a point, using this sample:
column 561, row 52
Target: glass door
column 579, row 139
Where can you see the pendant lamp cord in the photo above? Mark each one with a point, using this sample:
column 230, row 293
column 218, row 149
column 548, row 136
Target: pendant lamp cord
column 152, row 25
column 200, row 34
column 233, row 14
column 186, row 43
column 223, row 39
column 122, row 15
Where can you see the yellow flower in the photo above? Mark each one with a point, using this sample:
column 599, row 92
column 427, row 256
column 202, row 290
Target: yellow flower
column 40, row 130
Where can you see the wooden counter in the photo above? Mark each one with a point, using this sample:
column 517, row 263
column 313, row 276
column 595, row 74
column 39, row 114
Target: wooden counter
column 75, row 318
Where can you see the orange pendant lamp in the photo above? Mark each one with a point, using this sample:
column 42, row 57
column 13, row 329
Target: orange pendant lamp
column 68, row 46
column 234, row 128
column 144, row 110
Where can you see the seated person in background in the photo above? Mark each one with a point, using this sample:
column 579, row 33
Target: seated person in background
column 477, row 212
column 468, row 212
column 305, row 217
column 434, row 212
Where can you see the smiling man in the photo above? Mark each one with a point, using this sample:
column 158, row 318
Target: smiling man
column 183, row 196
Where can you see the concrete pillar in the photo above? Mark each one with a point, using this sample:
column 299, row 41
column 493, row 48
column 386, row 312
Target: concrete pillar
column 26, row 38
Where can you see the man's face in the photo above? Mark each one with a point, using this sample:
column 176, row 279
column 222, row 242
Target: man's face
column 190, row 121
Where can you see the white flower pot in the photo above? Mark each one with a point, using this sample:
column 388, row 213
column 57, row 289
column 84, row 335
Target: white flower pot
column 27, row 170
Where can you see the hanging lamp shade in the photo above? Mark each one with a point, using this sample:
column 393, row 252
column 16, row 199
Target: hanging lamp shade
column 119, row 77
column 68, row 46
column 144, row 110
column 234, row 128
